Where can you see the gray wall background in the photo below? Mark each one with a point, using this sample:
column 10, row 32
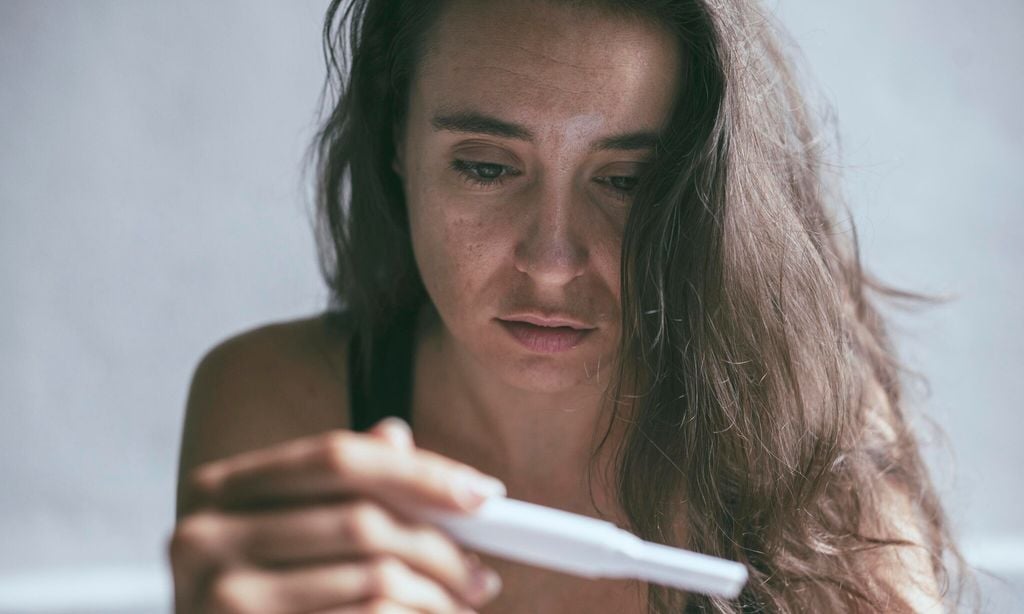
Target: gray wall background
column 152, row 203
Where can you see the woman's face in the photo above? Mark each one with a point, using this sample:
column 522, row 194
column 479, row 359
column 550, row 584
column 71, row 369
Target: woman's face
column 528, row 123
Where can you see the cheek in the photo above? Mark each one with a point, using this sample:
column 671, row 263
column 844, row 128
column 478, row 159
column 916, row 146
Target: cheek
column 456, row 251
column 608, row 259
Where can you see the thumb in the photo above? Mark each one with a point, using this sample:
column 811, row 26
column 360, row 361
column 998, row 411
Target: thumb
column 395, row 431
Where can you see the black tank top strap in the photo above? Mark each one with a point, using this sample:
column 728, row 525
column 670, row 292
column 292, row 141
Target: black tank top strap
column 383, row 387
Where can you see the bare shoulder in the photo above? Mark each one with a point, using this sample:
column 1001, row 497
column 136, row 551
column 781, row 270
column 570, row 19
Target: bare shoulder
column 267, row 385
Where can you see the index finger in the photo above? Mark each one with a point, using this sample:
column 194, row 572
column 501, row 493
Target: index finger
column 338, row 464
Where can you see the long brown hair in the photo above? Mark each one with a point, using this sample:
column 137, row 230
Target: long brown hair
column 769, row 422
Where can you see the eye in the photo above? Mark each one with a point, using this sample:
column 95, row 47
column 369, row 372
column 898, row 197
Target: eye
column 621, row 186
column 483, row 173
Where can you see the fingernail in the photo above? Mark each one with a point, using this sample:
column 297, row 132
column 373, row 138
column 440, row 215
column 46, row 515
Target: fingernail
column 484, row 585
column 472, row 488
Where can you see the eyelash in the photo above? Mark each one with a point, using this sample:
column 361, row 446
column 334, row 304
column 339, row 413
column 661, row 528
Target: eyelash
column 469, row 170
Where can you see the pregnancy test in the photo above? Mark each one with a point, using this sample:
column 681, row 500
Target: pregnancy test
column 583, row 546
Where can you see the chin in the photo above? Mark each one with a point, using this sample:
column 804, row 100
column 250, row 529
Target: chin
column 542, row 374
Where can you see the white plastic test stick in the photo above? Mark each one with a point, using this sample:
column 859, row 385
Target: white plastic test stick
column 584, row 546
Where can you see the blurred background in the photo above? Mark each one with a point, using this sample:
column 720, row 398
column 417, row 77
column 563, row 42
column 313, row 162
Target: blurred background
column 152, row 203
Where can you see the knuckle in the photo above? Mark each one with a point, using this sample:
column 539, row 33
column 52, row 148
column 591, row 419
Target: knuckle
column 385, row 575
column 339, row 453
column 195, row 534
column 233, row 593
column 429, row 539
column 456, row 566
column 364, row 525
column 204, row 480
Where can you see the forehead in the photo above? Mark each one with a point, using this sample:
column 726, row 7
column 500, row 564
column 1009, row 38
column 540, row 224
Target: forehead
column 542, row 62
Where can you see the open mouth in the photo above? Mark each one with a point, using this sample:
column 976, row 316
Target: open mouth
column 545, row 339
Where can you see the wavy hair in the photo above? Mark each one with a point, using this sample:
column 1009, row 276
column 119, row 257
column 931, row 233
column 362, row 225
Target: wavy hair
column 768, row 421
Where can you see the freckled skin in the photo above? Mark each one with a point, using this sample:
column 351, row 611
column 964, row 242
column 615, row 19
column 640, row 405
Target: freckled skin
column 548, row 238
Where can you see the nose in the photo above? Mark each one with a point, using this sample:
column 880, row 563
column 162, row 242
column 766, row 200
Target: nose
column 550, row 249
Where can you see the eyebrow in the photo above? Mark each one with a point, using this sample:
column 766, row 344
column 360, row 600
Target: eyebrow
column 480, row 123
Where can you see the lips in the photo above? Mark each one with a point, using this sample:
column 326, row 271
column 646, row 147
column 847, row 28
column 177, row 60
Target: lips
column 546, row 335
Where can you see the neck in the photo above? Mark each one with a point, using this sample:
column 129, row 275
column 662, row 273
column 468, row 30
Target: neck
column 542, row 445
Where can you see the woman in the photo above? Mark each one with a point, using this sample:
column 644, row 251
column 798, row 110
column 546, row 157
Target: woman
column 587, row 250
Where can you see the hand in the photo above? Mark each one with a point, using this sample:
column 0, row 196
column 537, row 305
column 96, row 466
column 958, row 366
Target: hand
column 314, row 525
